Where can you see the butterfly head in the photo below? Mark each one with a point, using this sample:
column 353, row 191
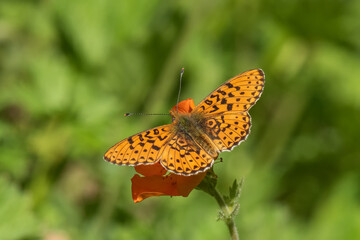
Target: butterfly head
column 182, row 107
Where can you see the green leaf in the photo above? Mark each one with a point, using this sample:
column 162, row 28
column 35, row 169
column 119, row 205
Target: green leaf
column 16, row 218
column 234, row 193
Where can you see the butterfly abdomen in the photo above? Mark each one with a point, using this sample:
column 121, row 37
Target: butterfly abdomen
column 192, row 126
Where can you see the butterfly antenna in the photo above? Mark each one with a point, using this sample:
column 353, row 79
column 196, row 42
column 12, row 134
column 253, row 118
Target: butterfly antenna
column 177, row 103
column 130, row 114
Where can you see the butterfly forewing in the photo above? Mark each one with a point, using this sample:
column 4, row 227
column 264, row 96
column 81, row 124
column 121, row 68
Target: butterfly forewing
column 142, row 148
column 238, row 94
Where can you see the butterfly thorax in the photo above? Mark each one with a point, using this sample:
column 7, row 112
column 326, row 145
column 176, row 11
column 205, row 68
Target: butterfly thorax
column 192, row 126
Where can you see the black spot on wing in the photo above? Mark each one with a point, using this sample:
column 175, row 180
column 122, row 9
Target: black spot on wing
column 162, row 138
column 215, row 96
column 221, row 92
column 156, row 148
column 147, row 134
column 130, row 140
column 229, row 85
column 208, row 102
column 215, row 108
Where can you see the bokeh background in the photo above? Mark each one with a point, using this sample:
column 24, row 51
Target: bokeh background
column 69, row 70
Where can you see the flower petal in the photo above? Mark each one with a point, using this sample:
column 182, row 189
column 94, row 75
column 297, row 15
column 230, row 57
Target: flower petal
column 169, row 185
column 150, row 170
column 185, row 106
column 185, row 184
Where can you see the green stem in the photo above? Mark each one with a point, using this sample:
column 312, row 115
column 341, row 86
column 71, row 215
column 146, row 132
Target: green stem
column 228, row 219
column 208, row 185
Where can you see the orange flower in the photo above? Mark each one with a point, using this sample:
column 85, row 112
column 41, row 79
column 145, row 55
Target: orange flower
column 185, row 106
column 155, row 181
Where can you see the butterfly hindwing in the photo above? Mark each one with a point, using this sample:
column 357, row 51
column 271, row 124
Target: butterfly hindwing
column 228, row 130
column 142, row 148
column 183, row 156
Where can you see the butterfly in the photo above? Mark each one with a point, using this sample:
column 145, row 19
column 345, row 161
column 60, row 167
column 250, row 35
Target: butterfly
column 197, row 134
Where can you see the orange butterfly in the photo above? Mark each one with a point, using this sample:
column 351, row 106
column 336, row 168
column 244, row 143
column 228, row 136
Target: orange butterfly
column 196, row 136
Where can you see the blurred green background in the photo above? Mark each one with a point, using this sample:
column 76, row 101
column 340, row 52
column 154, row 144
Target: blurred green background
column 69, row 70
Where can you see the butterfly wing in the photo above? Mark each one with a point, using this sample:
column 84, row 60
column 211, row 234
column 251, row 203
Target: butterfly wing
column 142, row 148
column 238, row 94
column 225, row 110
column 183, row 156
column 228, row 130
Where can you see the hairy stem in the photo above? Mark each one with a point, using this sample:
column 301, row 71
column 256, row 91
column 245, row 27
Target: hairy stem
column 227, row 213
column 228, row 219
